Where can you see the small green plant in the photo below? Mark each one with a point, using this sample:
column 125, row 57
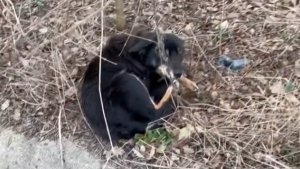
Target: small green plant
column 222, row 29
column 161, row 136
column 289, row 87
column 223, row 34
column 290, row 155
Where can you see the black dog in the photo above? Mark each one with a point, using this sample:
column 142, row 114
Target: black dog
column 139, row 53
column 128, row 85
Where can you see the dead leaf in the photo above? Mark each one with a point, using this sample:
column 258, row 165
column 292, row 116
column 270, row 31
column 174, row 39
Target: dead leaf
column 5, row 105
column 189, row 27
column 147, row 13
column 225, row 104
column 24, row 62
column 117, row 152
column 273, row 1
column 277, row 88
column 209, row 151
column 152, row 152
column 292, row 99
column 294, row 2
column 185, row 132
column 68, row 40
column 75, row 49
column 108, row 154
column 170, row 5
column 259, row 156
column 187, row 149
column 212, row 9
column 174, row 157
column 175, row 132
column 217, row 119
column 176, row 150
column 40, row 113
column 17, row 114
column 199, row 129
column 138, row 154
column 214, row 94
column 217, row 161
column 74, row 72
column 224, row 25
column 161, row 149
column 143, row 148
column 297, row 68
column 70, row 92
column 262, row 79
column 233, row 15
column 43, row 30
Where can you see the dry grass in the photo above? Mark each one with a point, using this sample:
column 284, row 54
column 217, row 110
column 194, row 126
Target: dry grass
column 244, row 119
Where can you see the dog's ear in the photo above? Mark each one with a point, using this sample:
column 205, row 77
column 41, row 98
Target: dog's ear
column 174, row 41
column 139, row 30
column 141, row 44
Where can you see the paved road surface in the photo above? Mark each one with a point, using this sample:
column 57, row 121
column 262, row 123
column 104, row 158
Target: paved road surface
column 17, row 152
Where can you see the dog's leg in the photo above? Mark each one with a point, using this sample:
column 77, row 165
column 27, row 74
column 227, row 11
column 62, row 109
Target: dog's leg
column 188, row 83
column 165, row 98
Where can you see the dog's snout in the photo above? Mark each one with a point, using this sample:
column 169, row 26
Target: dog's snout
column 165, row 71
column 171, row 74
column 177, row 73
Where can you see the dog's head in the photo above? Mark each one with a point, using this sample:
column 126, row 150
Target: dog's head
column 145, row 50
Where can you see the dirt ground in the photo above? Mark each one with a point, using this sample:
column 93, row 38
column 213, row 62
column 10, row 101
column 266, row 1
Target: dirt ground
column 240, row 119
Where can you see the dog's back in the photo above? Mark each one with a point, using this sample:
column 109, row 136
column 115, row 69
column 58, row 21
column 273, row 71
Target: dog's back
column 90, row 98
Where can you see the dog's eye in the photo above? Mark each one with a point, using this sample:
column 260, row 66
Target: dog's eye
column 156, row 49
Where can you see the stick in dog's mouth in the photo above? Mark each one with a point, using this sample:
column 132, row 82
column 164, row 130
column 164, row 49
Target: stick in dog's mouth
column 188, row 83
column 165, row 71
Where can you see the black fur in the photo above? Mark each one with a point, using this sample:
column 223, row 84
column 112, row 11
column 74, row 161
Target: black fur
column 126, row 88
